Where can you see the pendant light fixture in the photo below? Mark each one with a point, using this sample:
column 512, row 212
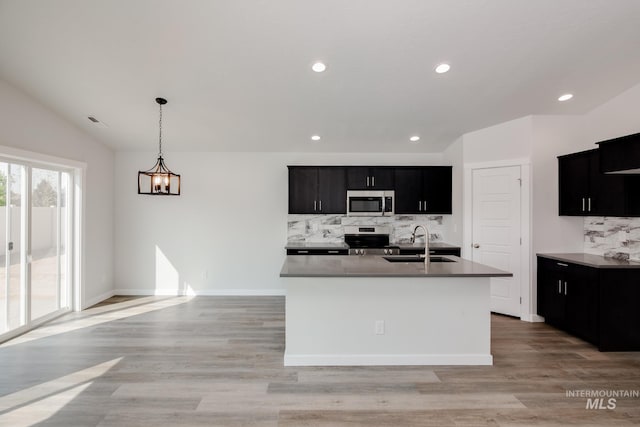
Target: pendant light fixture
column 159, row 180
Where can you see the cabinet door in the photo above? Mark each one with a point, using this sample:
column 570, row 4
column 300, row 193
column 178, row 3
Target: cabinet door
column 581, row 311
column 382, row 178
column 436, row 189
column 358, row 178
column 606, row 192
column 332, row 190
column 551, row 299
column 369, row 178
column 303, row 190
column 619, row 317
column 408, row 187
column 573, row 178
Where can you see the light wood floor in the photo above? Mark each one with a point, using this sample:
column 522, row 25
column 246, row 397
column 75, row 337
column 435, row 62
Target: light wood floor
column 217, row 361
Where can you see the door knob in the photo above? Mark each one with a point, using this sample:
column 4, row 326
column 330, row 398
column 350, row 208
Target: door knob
column 476, row 246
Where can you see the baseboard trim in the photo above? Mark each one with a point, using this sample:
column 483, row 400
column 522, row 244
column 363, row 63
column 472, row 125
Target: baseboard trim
column 533, row 318
column 209, row 292
column 99, row 298
column 385, row 359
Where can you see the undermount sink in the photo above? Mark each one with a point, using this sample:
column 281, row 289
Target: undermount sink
column 415, row 258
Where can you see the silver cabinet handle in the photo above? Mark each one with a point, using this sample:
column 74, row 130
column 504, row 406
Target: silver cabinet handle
column 424, row 202
column 320, row 206
column 561, row 264
column 314, row 206
column 373, row 181
column 559, row 286
column 333, row 252
column 583, row 204
column 589, row 204
column 303, row 252
column 476, row 246
column 565, row 288
column 367, row 181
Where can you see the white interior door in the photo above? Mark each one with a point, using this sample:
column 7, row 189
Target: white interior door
column 496, row 232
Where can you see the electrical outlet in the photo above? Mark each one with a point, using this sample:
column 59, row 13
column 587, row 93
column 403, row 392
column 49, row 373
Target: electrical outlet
column 379, row 328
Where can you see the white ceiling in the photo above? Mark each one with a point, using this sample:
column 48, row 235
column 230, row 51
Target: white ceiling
column 237, row 73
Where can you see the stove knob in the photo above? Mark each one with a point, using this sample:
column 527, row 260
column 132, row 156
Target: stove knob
column 386, row 251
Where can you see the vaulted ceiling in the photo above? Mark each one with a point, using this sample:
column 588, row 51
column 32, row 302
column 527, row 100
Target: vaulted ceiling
column 238, row 76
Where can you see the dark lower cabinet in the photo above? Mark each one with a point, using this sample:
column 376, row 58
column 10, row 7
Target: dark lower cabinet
column 312, row 251
column 620, row 311
column 599, row 305
column 433, row 251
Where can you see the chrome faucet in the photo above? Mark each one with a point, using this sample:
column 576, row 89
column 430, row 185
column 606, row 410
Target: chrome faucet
column 426, row 242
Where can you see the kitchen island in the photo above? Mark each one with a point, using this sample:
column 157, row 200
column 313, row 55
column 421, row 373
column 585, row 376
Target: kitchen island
column 366, row 310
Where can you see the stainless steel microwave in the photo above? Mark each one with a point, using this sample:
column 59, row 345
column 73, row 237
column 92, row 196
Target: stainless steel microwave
column 370, row 203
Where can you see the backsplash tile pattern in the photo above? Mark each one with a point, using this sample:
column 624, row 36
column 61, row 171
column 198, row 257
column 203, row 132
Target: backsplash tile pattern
column 613, row 237
column 330, row 228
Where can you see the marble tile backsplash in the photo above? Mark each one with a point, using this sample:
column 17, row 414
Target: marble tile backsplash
column 614, row 237
column 330, row 228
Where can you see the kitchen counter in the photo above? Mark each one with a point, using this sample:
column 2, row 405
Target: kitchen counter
column 589, row 260
column 377, row 266
column 316, row 245
column 364, row 310
column 342, row 245
column 432, row 245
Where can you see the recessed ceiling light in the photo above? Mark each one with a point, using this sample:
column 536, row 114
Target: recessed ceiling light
column 318, row 67
column 315, row 138
column 442, row 68
column 565, row 97
column 414, row 138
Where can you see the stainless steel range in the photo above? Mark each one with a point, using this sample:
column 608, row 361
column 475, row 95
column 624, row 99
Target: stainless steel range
column 369, row 240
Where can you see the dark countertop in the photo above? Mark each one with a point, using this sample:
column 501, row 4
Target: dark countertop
column 315, row 245
column 590, row 260
column 432, row 245
column 377, row 266
column 342, row 245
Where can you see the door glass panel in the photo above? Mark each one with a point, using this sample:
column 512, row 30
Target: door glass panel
column 12, row 306
column 45, row 232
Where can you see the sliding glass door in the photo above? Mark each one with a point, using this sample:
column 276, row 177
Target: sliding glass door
column 35, row 238
column 12, row 247
column 48, row 242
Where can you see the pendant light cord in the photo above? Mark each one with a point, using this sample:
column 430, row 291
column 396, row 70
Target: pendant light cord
column 160, row 138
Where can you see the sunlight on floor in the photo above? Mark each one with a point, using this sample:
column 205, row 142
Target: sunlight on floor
column 98, row 315
column 35, row 404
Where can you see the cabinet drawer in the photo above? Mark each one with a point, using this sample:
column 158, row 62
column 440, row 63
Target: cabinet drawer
column 432, row 251
column 317, row 251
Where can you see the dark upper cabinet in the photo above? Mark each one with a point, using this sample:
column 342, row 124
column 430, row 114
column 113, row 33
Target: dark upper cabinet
column 408, row 190
column 584, row 191
column 317, row 190
column 369, row 178
column 332, row 190
column 423, row 190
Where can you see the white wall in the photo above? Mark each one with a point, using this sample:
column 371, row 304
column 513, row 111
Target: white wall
column 505, row 141
column 453, row 224
column 28, row 125
column 226, row 233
